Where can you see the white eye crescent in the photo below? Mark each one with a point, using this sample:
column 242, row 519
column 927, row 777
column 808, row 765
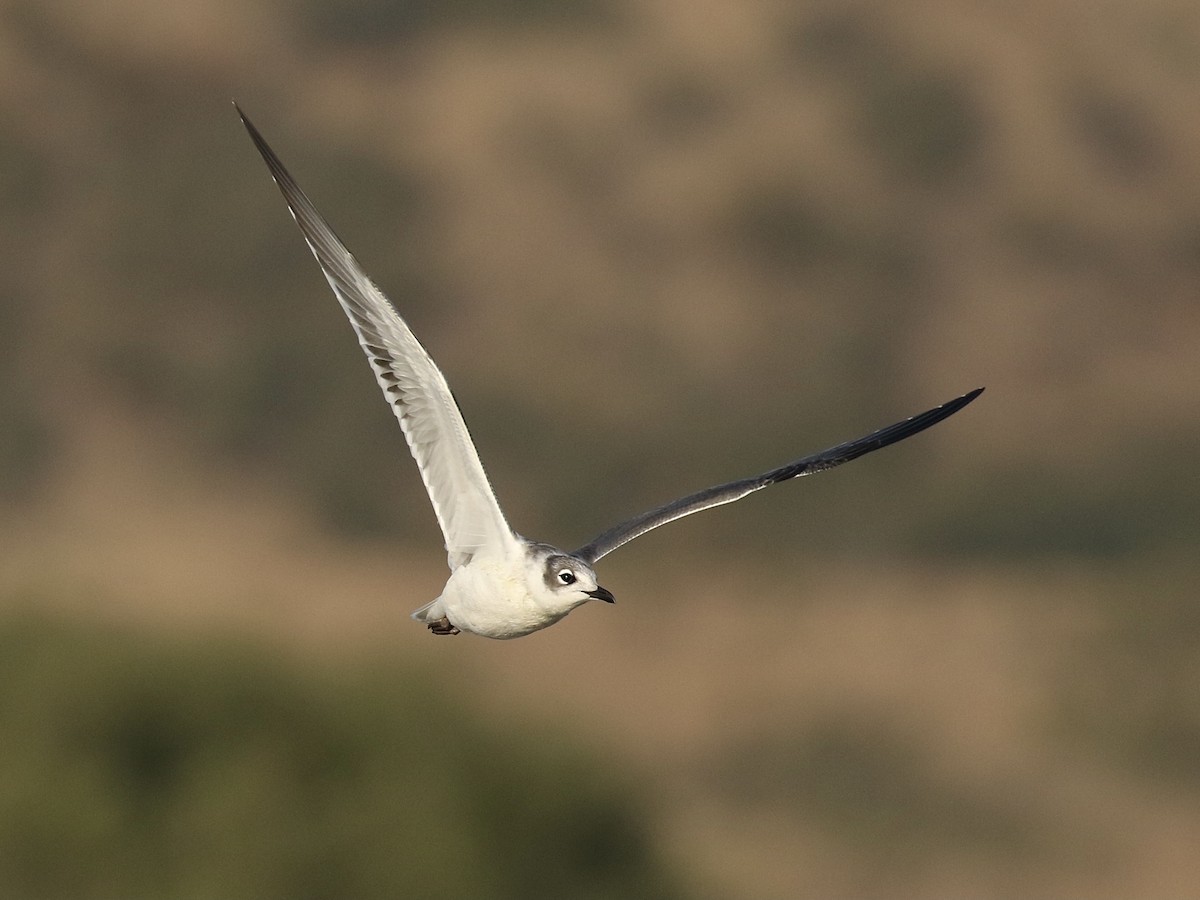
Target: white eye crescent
column 566, row 576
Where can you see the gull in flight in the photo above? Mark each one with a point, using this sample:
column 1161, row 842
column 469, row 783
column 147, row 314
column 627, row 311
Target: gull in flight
column 501, row 584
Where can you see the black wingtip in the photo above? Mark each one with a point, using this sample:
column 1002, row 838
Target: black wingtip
column 920, row 422
column 250, row 127
column 965, row 398
column 292, row 193
column 955, row 405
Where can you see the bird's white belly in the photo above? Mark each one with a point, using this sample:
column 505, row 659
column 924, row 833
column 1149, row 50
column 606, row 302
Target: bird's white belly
column 488, row 598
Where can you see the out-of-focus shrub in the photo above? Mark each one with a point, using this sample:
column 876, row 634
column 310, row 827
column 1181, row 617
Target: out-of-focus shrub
column 130, row 767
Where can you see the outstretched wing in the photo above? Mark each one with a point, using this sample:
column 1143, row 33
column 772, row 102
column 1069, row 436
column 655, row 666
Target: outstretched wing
column 736, row 490
column 462, row 498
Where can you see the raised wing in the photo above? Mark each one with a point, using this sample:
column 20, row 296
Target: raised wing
column 415, row 388
column 736, row 490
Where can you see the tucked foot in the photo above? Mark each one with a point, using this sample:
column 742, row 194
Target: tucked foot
column 442, row 626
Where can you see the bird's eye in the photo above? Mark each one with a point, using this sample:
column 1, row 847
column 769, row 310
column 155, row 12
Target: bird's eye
column 566, row 576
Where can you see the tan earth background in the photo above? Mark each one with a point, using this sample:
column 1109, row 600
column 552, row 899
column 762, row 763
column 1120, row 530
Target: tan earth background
column 654, row 246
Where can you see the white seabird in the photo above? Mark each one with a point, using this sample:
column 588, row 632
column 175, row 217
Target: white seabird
column 501, row 584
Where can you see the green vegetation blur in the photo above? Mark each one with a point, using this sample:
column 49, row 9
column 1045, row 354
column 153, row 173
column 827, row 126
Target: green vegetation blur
column 134, row 767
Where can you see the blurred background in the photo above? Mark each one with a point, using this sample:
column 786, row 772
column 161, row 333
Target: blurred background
column 654, row 245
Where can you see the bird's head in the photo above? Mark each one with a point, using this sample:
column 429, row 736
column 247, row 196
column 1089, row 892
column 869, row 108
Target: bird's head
column 566, row 581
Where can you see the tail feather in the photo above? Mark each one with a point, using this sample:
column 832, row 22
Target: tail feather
column 430, row 612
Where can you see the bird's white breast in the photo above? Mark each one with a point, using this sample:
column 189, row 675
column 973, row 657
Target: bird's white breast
column 492, row 597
